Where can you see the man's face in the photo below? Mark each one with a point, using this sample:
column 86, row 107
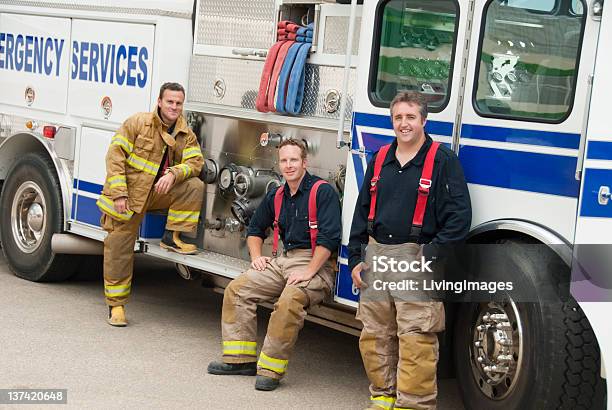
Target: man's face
column 408, row 124
column 291, row 164
column 170, row 106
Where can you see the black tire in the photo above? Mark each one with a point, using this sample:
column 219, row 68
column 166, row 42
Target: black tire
column 560, row 365
column 39, row 264
column 582, row 387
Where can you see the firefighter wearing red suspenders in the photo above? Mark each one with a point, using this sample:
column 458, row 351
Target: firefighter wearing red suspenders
column 413, row 193
column 305, row 213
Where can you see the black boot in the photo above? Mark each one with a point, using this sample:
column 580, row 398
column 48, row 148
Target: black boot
column 172, row 241
column 229, row 369
column 266, row 383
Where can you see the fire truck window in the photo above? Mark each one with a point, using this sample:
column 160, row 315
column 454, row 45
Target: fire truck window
column 577, row 7
column 540, row 5
column 416, row 43
column 528, row 62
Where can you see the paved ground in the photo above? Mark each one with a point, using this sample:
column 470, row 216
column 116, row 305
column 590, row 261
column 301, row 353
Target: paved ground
column 55, row 336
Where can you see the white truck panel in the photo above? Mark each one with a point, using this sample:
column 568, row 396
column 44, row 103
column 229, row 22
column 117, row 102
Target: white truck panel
column 94, row 145
column 491, row 203
column 111, row 63
column 175, row 56
column 34, row 61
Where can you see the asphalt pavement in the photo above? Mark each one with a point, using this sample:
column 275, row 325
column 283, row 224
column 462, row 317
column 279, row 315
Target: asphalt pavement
column 55, row 335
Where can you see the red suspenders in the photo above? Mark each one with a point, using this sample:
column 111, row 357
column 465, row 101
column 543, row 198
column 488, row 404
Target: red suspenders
column 423, row 190
column 312, row 215
column 380, row 158
column 424, row 185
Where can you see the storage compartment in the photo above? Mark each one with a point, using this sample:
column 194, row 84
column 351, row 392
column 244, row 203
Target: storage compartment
column 226, row 67
column 236, row 23
column 302, row 13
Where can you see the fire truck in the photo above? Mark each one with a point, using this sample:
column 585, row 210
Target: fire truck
column 516, row 88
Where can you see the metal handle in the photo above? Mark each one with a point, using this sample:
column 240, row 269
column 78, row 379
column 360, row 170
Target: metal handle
column 245, row 52
column 583, row 129
column 604, row 195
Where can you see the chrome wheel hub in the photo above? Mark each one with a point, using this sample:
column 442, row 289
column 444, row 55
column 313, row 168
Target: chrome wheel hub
column 28, row 216
column 497, row 348
column 36, row 217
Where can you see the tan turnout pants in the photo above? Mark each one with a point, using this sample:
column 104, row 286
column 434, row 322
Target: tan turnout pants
column 183, row 202
column 239, row 319
column 398, row 342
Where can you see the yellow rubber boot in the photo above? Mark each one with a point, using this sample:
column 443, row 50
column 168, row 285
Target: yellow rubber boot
column 177, row 245
column 116, row 316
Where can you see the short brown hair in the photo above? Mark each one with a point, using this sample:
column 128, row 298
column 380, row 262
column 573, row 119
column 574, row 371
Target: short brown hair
column 297, row 143
column 410, row 97
column 171, row 87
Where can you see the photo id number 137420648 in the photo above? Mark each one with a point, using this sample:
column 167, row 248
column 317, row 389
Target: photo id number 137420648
column 38, row 396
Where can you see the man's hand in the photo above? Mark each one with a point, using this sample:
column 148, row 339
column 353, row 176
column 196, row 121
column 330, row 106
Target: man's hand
column 299, row 276
column 165, row 183
column 260, row 262
column 121, row 204
column 356, row 275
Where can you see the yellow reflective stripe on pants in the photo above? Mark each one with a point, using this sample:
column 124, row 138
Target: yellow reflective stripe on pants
column 183, row 216
column 191, row 152
column 123, row 142
column 107, row 206
column 270, row 363
column 185, row 169
column 240, row 347
column 383, row 401
column 117, row 290
column 117, row 181
column 142, row 164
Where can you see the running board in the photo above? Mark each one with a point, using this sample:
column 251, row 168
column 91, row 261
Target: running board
column 206, row 261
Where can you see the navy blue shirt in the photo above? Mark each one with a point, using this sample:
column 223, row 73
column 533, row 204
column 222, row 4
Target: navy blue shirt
column 293, row 219
column 448, row 214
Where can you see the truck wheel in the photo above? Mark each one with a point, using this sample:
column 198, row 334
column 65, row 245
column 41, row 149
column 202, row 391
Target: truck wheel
column 527, row 355
column 30, row 213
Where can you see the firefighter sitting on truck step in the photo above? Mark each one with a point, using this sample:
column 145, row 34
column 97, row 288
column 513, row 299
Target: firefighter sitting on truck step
column 153, row 163
column 305, row 213
column 413, row 193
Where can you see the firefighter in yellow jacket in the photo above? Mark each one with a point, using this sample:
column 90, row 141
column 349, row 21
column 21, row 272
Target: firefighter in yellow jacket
column 153, row 162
